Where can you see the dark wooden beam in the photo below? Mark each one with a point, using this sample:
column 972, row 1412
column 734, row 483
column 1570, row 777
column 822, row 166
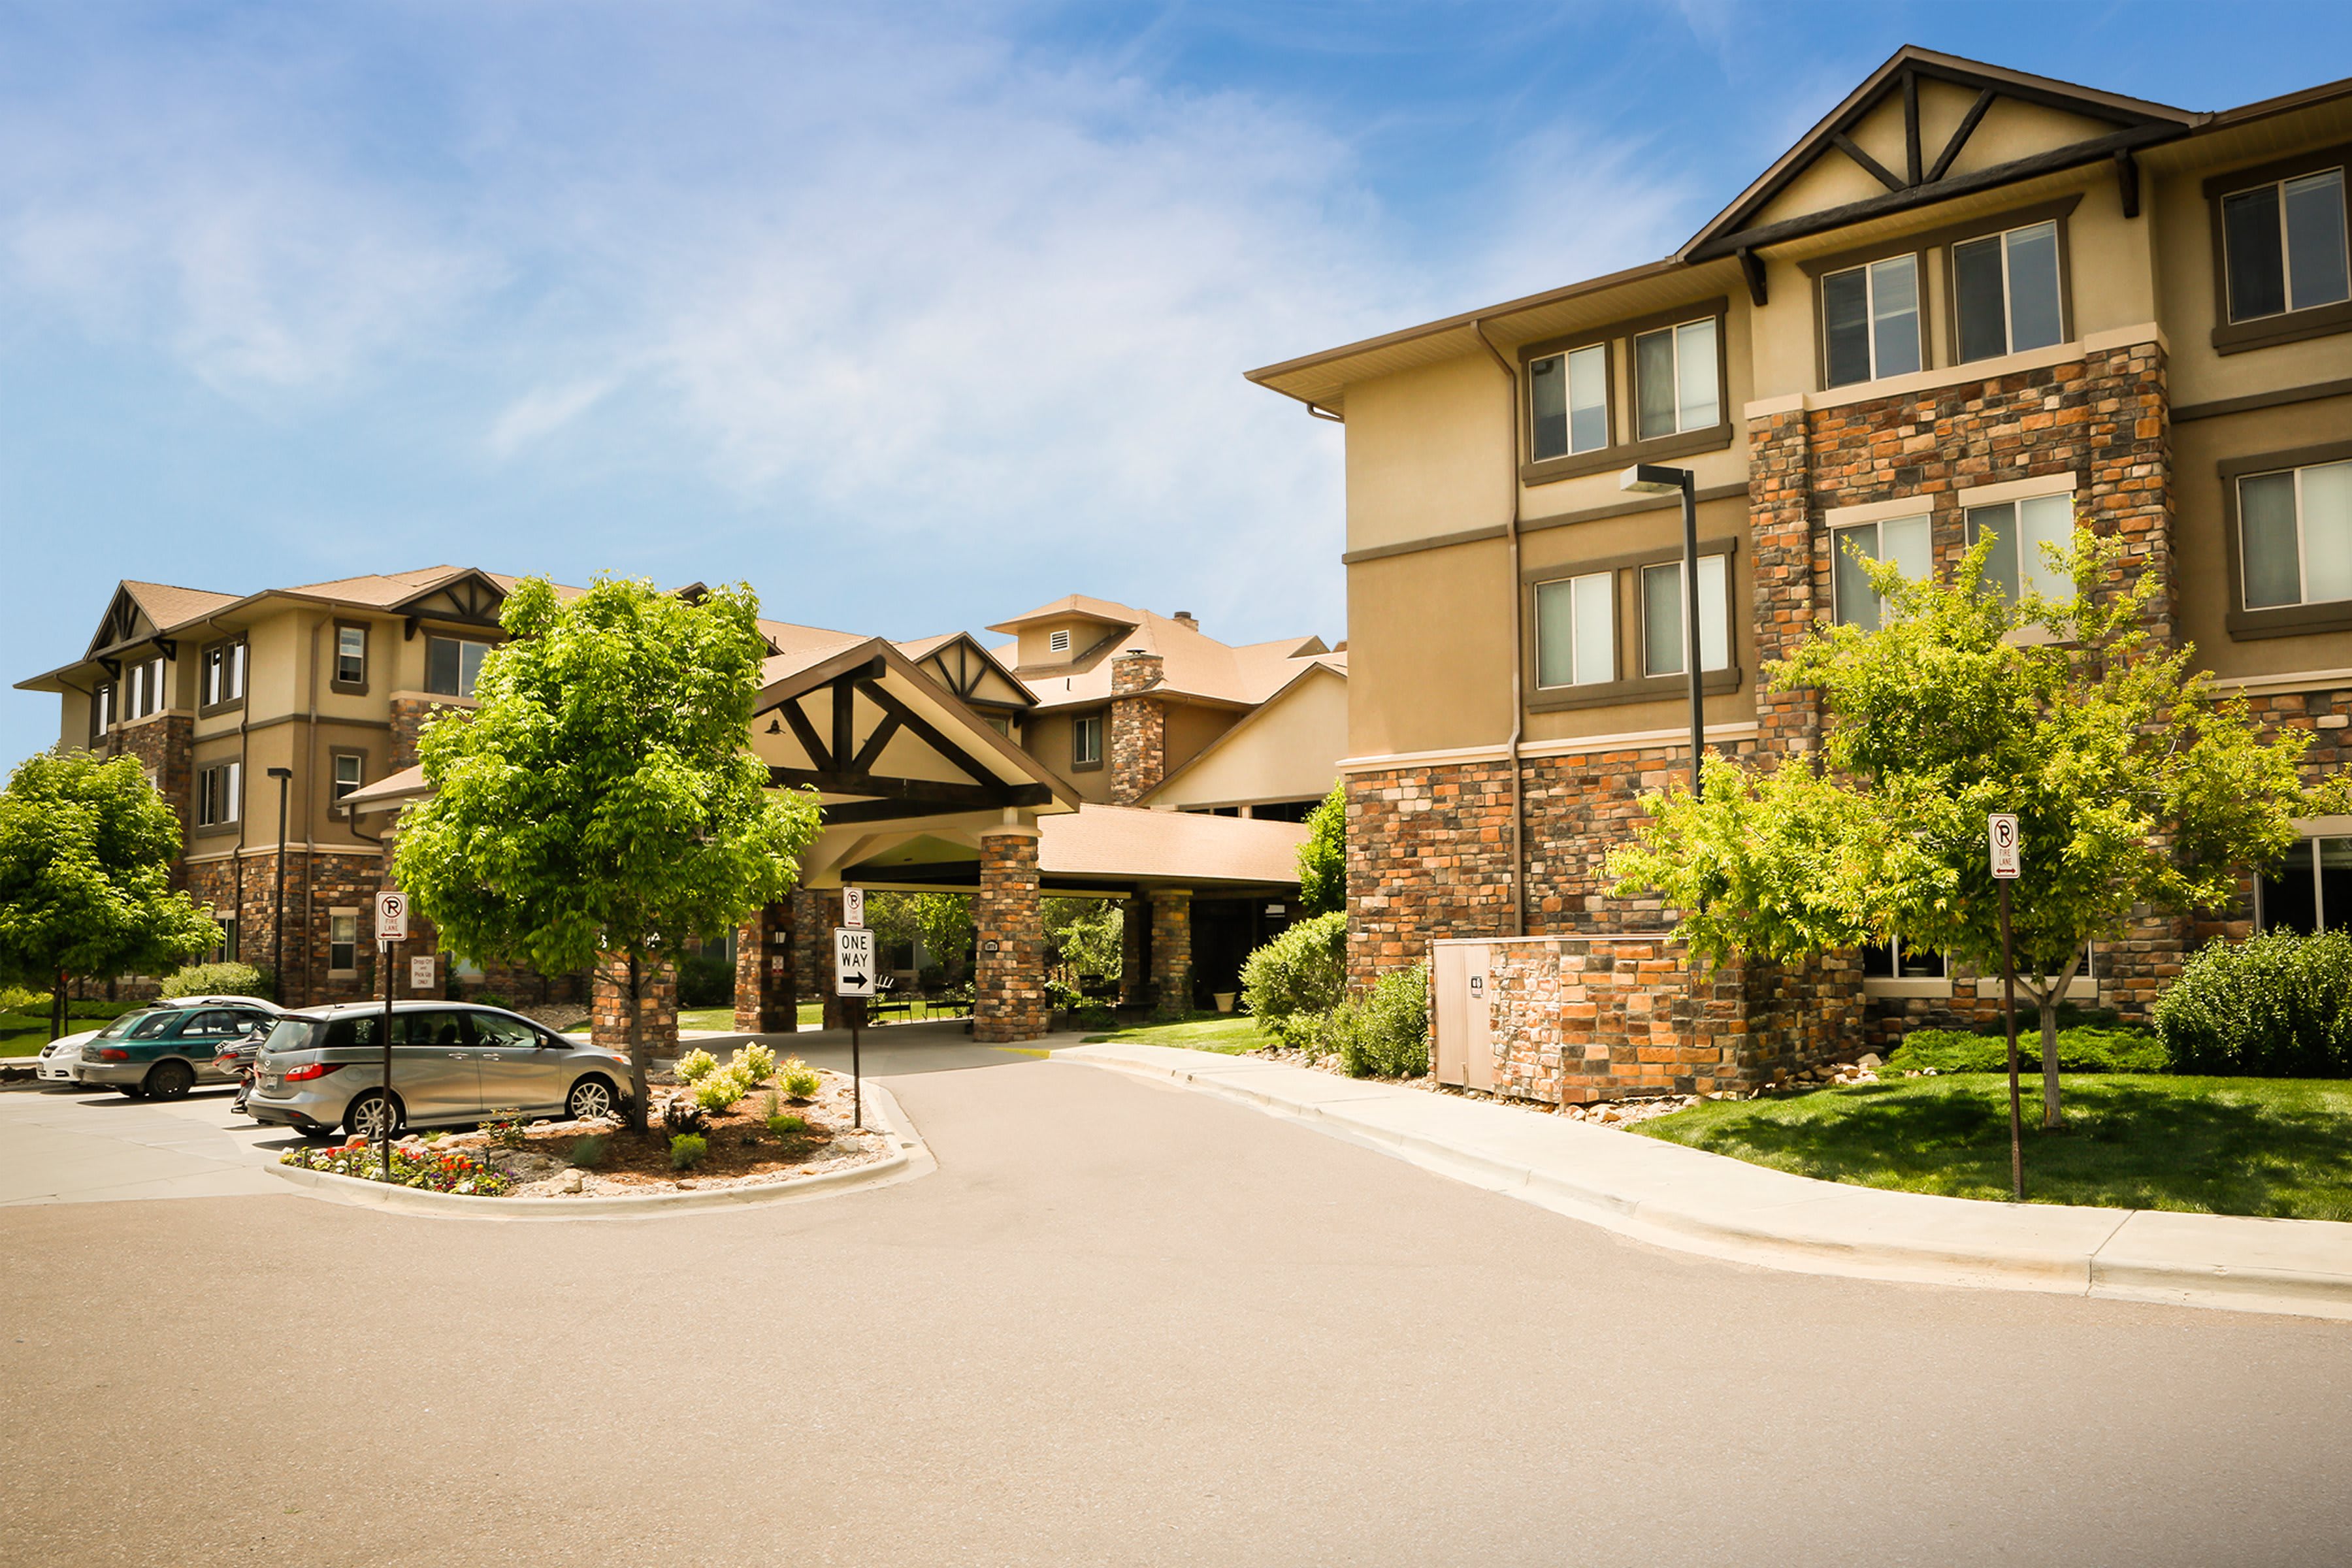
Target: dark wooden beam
column 805, row 734
column 1911, row 166
column 870, row 752
column 1878, row 171
column 932, row 792
column 1751, row 267
column 2127, row 182
column 845, row 714
column 927, row 731
column 1960, row 135
column 899, row 810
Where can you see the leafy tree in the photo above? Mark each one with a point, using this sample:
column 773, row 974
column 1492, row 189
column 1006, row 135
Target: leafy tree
column 603, row 798
column 940, row 921
column 2133, row 783
column 1084, row 935
column 86, row 853
column 1323, row 859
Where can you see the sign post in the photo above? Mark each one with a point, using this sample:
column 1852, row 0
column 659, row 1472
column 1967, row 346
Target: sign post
column 853, row 981
column 2000, row 833
column 391, row 931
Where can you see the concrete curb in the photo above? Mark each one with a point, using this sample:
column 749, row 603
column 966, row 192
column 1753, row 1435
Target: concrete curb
column 911, row 1160
column 1691, row 1201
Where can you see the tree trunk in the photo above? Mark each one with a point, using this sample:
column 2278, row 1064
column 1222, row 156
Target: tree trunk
column 2048, row 997
column 58, row 1007
column 640, row 1091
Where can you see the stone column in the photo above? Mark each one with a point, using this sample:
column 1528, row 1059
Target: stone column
column 1134, row 941
column 814, row 914
column 1009, row 978
column 766, row 993
column 1138, row 728
column 1171, row 951
column 608, row 1025
column 1781, row 481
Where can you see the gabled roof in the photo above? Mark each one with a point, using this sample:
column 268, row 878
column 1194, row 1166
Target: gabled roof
column 1334, row 665
column 1193, row 665
column 957, row 661
column 1071, row 607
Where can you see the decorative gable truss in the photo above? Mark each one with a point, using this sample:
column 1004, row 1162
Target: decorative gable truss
column 470, row 598
column 969, row 670
column 124, row 623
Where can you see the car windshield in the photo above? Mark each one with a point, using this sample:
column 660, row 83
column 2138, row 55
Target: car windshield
column 140, row 1025
column 292, row 1034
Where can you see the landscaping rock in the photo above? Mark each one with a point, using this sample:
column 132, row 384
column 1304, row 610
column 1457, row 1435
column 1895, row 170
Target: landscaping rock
column 1872, row 1060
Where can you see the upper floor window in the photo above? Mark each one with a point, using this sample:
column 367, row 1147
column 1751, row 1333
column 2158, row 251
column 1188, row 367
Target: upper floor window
column 351, row 656
column 1576, row 630
column 2295, row 528
column 102, row 708
column 219, row 788
column 2005, row 297
column 222, row 674
column 1903, row 540
column 452, row 665
column 1870, row 321
column 2019, row 530
column 1085, row 740
column 1568, row 401
column 2283, row 243
column 1677, row 380
column 1661, row 616
column 144, row 689
column 351, row 771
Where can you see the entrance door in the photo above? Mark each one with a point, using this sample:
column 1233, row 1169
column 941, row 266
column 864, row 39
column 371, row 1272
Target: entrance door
column 1465, row 1053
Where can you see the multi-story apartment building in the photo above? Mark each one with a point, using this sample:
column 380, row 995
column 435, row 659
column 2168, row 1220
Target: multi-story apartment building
column 1970, row 301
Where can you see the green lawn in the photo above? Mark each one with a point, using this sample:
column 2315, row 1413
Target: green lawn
column 812, row 1015
column 2276, row 1147
column 23, row 1034
column 1228, row 1033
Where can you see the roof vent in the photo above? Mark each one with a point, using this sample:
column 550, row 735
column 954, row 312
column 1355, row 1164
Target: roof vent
column 1059, row 641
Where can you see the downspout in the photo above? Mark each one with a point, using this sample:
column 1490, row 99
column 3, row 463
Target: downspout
column 243, row 781
column 310, row 819
column 1518, row 651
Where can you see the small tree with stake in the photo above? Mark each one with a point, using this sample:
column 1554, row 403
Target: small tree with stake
column 86, row 853
column 602, row 800
column 2133, row 783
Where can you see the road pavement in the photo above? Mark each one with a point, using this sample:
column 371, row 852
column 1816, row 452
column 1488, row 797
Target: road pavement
column 1122, row 1323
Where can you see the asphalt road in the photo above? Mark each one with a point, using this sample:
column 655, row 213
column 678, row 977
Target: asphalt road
column 1122, row 1323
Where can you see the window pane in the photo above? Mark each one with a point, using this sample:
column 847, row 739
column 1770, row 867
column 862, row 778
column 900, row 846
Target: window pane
column 1878, row 962
column 2033, row 288
column 2335, row 883
column 1653, row 379
column 2250, row 232
column 1895, row 314
column 2315, row 240
column 1661, row 620
column 1713, row 602
column 236, row 669
column 471, row 665
column 2290, row 893
column 2000, row 567
column 441, row 666
column 1588, row 399
column 2045, row 520
column 1919, row 964
column 1906, row 542
column 1596, row 628
column 2267, row 528
column 1977, row 295
column 1547, row 409
column 1698, row 406
column 1556, row 634
column 1845, row 327
column 1857, row 601
column 2327, row 532
column 235, row 789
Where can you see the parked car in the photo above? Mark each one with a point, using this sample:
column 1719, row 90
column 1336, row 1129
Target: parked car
column 453, row 1063
column 167, row 1049
column 61, row 1058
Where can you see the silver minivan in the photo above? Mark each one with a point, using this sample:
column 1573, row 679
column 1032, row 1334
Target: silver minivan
column 452, row 1063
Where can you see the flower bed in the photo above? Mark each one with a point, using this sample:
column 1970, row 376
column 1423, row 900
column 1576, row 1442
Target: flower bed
column 433, row 1170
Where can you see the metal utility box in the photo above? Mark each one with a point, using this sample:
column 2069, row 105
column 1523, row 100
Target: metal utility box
column 1463, row 1045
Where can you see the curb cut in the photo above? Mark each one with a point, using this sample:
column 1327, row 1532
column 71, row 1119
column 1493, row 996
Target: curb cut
column 2236, row 1263
column 911, row 1160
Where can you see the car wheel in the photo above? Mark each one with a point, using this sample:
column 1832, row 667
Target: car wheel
column 366, row 1117
column 171, row 1081
column 127, row 1090
column 590, row 1097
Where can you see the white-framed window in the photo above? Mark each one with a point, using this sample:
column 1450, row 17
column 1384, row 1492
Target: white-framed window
column 1661, row 616
column 224, row 951
column 2019, row 530
column 2294, row 535
column 222, row 674
column 2310, row 890
column 144, row 689
column 1903, row 540
column 452, row 665
column 2005, row 295
column 1895, row 960
column 102, row 708
column 351, row 656
column 1567, row 403
column 1676, row 371
column 1870, row 322
column 1058, row 641
column 220, row 788
column 1576, row 630
column 351, row 771
column 1085, row 740
column 2285, row 246
column 342, row 941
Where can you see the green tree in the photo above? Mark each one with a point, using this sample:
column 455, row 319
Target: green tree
column 2134, row 786
column 1084, row 935
column 1323, row 859
column 603, row 798
column 940, row 921
column 86, row 853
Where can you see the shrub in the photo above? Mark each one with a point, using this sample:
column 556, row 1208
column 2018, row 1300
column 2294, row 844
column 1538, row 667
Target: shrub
column 1097, row 1017
column 1294, row 981
column 1064, row 997
column 687, row 1151
column 694, row 1066
column 1384, row 1033
column 799, row 1079
column 679, row 1113
column 589, row 1152
column 719, row 1091
column 754, row 1062
column 2079, row 1050
column 217, row 980
column 785, row 1127
column 2277, row 1006
column 17, row 999
column 505, row 1127
column 705, row 980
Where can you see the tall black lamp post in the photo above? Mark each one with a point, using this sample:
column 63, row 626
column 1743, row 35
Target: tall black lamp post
column 278, row 907
column 1655, row 478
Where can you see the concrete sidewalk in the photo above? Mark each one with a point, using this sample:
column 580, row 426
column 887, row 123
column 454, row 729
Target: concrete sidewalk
column 1697, row 1202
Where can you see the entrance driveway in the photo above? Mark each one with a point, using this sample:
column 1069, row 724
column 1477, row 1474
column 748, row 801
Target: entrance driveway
column 1120, row 1324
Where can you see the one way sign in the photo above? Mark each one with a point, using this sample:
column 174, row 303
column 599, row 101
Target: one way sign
column 853, row 961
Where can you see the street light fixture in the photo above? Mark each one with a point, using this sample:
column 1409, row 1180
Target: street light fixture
column 1656, row 478
column 277, row 906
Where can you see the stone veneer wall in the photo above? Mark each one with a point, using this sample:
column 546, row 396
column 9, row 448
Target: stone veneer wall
column 1138, row 728
column 608, row 1024
column 1171, row 949
column 1008, row 979
column 317, row 882
column 813, row 917
column 165, row 746
column 767, row 998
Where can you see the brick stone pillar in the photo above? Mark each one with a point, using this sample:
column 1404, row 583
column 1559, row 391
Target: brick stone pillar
column 1781, row 491
column 1138, row 728
column 767, row 995
column 1009, row 977
column 814, row 914
column 656, row 1007
column 1134, row 940
column 1171, row 950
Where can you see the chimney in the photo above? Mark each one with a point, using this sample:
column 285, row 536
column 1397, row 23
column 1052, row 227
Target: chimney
column 1185, row 617
column 1139, row 726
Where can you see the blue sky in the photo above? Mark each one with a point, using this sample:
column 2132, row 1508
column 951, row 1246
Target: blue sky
column 910, row 315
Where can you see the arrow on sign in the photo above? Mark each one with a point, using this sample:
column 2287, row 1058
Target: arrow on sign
column 853, row 980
